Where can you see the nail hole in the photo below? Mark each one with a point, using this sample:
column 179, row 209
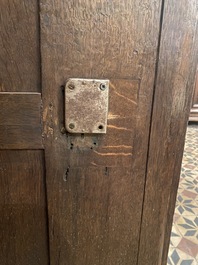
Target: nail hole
column 106, row 171
column 71, row 146
column 66, row 174
column 100, row 127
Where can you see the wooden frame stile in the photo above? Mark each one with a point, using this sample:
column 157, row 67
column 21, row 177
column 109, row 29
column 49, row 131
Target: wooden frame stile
column 178, row 57
column 23, row 218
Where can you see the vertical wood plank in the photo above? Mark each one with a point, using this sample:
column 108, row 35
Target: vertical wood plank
column 23, row 233
column 95, row 184
column 174, row 84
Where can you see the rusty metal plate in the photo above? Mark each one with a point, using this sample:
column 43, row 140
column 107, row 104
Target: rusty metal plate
column 86, row 105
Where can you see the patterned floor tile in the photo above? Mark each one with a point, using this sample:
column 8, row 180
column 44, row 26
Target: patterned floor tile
column 183, row 248
column 178, row 257
column 188, row 247
column 189, row 183
column 189, row 194
column 186, row 206
column 176, row 217
column 175, row 237
column 188, row 228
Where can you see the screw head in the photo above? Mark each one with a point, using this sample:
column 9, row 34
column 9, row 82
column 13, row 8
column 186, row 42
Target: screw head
column 71, row 126
column 71, row 86
column 103, row 86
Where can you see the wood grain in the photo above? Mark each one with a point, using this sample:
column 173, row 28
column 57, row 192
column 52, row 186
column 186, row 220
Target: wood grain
column 23, row 233
column 20, row 121
column 174, row 84
column 95, row 184
column 23, row 219
column 19, row 46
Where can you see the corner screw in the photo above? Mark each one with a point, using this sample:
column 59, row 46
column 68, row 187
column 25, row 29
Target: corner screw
column 71, row 126
column 103, row 86
column 71, row 86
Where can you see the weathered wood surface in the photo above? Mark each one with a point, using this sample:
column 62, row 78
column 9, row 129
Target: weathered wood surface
column 20, row 120
column 19, row 46
column 23, row 234
column 95, row 184
column 173, row 90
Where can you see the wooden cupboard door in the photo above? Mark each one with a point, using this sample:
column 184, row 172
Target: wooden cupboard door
column 23, row 215
column 95, row 183
column 93, row 198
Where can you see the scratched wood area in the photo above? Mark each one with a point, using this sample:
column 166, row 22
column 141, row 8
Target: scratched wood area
column 20, row 120
column 95, row 184
column 23, row 233
column 175, row 77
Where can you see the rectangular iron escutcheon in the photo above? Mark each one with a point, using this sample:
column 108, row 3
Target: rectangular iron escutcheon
column 86, row 105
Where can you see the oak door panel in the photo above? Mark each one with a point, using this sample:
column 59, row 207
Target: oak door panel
column 23, row 234
column 19, row 46
column 20, row 120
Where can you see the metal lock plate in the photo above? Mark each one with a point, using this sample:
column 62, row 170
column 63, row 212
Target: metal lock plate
column 86, row 105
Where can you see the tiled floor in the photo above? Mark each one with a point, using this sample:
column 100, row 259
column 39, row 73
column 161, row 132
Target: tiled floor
column 183, row 248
